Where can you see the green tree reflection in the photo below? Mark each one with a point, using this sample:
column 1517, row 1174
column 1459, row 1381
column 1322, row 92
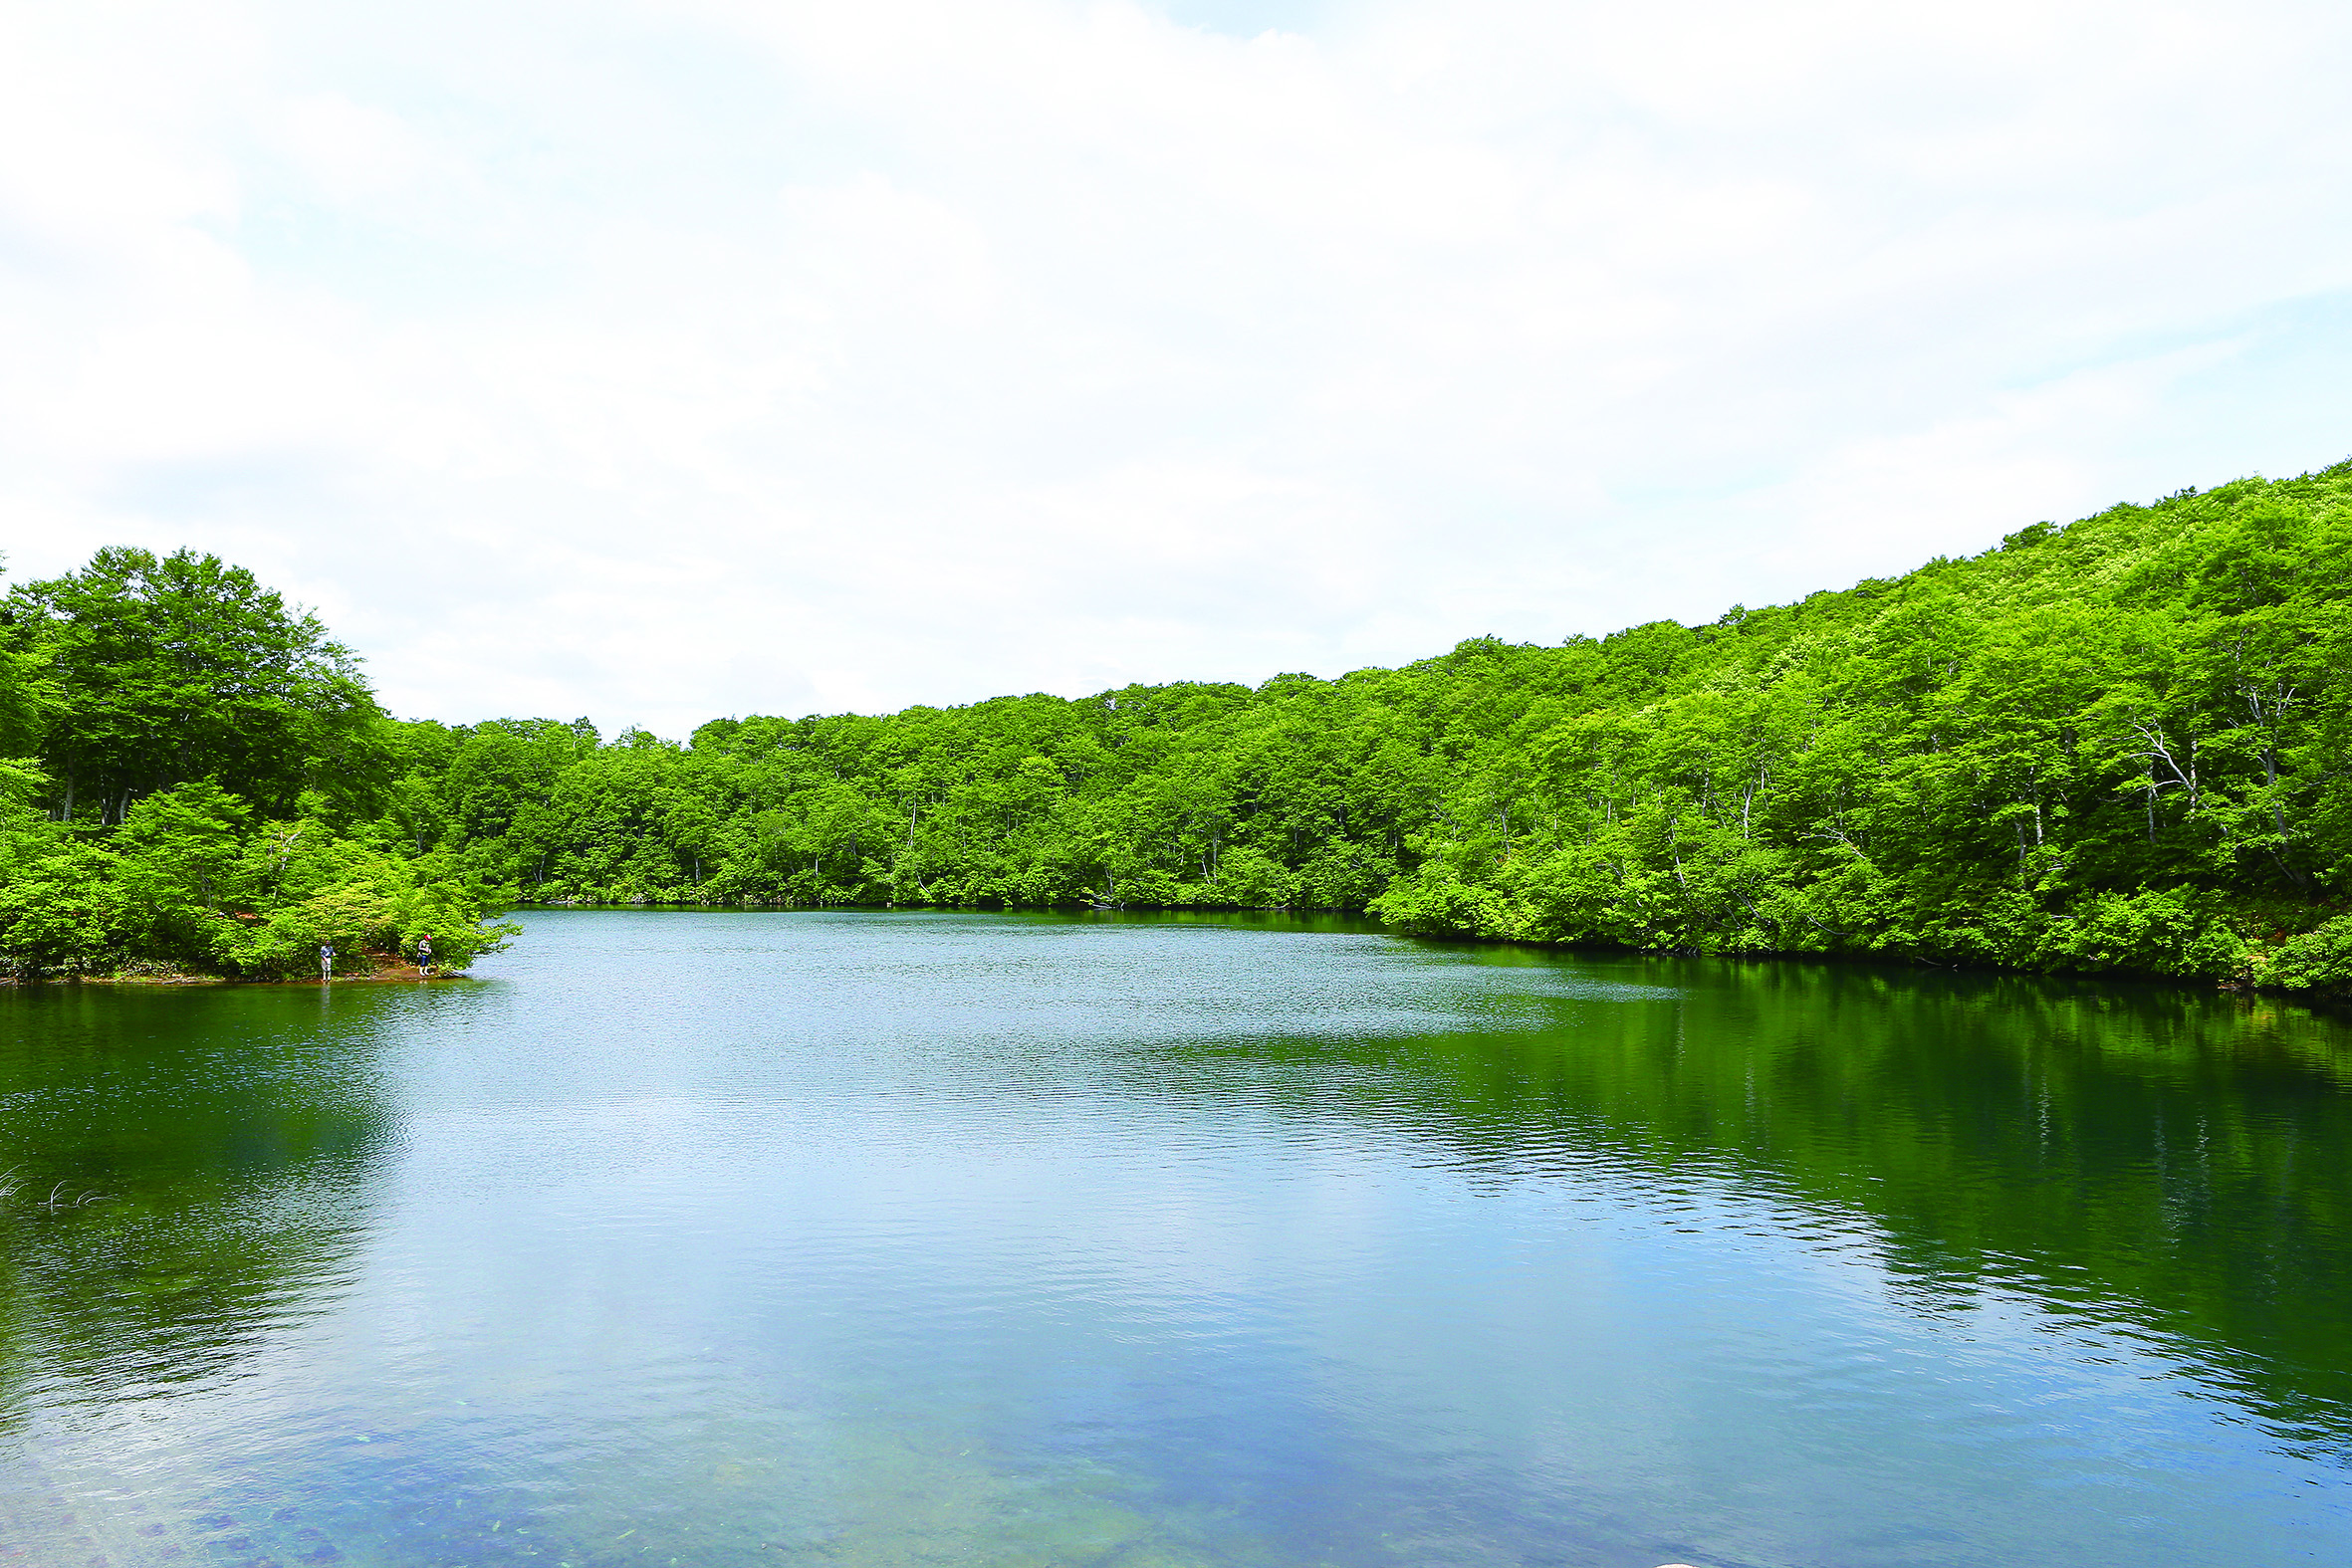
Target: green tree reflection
column 231, row 1134
column 2170, row 1159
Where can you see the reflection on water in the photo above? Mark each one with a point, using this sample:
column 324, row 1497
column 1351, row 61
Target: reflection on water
column 2157, row 1156
column 868, row 1239
column 219, row 1154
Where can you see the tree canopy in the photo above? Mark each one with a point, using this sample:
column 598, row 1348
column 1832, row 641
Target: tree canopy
column 165, row 669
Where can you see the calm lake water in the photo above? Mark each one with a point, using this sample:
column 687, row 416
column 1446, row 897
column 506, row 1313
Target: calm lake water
column 749, row 1239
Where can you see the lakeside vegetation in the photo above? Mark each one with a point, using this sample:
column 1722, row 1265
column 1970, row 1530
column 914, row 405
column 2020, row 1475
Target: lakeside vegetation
column 199, row 768
column 2119, row 746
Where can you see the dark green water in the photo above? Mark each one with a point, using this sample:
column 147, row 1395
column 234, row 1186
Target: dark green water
column 861, row 1239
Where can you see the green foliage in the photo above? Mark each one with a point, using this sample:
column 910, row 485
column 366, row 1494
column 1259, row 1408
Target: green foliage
column 2318, row 960
column 195, row 748
column 187, row 883
column 2115, row 746
column 56, row 908
column 362, row 900
column 152, row 671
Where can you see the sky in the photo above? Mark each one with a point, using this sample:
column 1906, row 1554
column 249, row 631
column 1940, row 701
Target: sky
column 660, row 362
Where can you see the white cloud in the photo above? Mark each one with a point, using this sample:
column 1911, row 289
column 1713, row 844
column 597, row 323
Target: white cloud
column 659, row 363
column 355, row 153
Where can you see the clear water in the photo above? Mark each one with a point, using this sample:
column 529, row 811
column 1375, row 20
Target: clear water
column 896, row 1238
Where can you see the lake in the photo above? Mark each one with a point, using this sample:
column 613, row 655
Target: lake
column 878, row 1238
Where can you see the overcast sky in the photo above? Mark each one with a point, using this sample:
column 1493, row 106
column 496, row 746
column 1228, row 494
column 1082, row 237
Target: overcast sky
column 664, row 361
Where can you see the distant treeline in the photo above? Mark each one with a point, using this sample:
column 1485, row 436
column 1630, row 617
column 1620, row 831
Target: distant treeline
column 2124, row 744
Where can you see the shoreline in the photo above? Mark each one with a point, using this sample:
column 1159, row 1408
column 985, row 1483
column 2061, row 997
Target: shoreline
column 404, row 974
column 2326, row 1001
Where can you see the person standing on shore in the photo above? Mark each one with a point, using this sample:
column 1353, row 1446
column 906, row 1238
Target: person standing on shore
column 325, row 960
column 424, row 957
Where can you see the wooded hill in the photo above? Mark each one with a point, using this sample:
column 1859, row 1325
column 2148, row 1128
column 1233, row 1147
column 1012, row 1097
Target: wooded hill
column 2125, row 745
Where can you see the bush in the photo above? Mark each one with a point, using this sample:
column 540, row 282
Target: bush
column 184, row 884
column 2318, row 960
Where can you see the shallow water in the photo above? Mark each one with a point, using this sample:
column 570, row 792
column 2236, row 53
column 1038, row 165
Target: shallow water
column 895, row 1239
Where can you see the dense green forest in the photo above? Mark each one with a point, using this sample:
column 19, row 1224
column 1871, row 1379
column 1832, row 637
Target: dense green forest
column 2122, row 745
column 197, row 775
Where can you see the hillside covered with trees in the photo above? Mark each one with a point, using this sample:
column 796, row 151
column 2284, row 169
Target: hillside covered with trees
column 2123, row 745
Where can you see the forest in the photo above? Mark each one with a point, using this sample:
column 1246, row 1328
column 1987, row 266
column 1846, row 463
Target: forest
column 2122, row 745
